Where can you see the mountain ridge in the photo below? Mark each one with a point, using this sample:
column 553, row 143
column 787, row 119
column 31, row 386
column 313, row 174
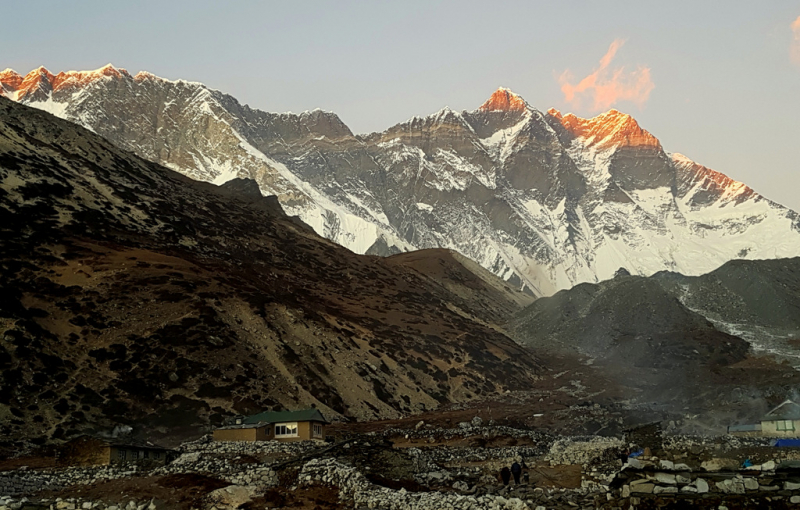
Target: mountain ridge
column 543, row 200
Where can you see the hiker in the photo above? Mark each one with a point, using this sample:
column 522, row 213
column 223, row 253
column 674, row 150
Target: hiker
column 516, row 470
column 505, row 474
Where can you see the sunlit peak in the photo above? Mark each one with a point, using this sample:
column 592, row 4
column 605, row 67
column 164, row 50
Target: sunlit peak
column 504, row 100
column 610, row 129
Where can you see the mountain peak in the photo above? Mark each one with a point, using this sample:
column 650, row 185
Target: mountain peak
column 555, row 113
column 38, row 74
column 42, row 79
column 606, row 130
column 504, row 100
column 42, row 70
column 8, row 72
column 82, row 78
column 10, row 78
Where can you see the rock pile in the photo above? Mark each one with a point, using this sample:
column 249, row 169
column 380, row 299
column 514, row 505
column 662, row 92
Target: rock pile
column 489, row 458
column 24, row 481
column 354, row 487
column 584, row 451
column 470, row 429
column 9, row 503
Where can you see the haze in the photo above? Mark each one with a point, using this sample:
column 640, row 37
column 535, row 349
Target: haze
column 717, row 82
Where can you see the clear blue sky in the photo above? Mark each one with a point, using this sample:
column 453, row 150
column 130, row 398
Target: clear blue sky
column 725, row 91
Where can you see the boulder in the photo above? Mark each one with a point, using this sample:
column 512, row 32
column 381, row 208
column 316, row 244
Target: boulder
column 634, row 463
column 720, row 464
column 731, row 486
column 461, row 486
column 665, row 490
column 645, row 488
column 665, row 478
column 231, row 497
column 186, row 458
column 702, row 486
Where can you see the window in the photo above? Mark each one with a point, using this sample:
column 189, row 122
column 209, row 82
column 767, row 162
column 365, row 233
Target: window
column 784, row 425
column 286, row 430
column 122, row 454
column 317, row 430
column 156, row 455
column 146, row 454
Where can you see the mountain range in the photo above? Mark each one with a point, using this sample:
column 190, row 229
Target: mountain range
column 544, row 200
column 133, row 296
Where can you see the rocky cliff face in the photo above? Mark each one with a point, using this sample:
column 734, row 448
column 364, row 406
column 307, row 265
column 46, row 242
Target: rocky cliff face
column 543, row 200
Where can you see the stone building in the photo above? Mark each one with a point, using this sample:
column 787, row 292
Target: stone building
column 93, row 451
column 307, row 424
column 783, row 421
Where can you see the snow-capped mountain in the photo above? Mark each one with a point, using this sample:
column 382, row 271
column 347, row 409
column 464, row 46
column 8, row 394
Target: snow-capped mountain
column 542, row 199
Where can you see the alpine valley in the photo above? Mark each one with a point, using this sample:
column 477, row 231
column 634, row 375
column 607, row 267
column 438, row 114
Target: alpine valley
column 544, row 200
column 526, row 268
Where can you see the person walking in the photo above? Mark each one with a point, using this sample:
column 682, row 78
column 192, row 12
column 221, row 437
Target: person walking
column 516, row 470
column 505, row 474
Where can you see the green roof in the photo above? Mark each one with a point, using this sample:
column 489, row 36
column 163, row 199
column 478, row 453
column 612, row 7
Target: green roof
column 284, row 416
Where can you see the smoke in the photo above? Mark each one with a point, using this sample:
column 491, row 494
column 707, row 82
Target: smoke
column 606, row 86
column 794, row 50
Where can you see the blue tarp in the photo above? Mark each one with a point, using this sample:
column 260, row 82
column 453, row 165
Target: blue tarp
column 787, row 443
column 636, row 454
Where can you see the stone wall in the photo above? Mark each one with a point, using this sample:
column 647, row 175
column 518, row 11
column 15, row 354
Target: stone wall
column 717, row 476
column 354, row 487
column 216, row 459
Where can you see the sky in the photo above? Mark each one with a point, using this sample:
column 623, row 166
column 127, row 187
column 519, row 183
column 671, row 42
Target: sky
column 718, row 81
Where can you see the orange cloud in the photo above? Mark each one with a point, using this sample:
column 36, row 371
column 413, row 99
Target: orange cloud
column 606, row 86
column 794, row 51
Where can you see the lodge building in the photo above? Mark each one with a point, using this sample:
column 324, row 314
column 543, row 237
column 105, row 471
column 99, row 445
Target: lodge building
column 305, row 425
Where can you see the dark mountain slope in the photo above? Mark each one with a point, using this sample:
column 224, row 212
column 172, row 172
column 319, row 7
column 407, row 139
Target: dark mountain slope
column 757, row 300
column 631, row 321
column 643, row 333
column 465, row 278
column 131, row 295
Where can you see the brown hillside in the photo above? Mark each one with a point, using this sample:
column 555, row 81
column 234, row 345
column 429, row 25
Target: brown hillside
column 131, row 295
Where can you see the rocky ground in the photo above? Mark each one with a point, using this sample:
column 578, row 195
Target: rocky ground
column 444, row 469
